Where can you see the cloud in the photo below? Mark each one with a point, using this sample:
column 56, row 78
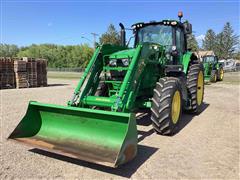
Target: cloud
column 49, row 24
column 200, row 38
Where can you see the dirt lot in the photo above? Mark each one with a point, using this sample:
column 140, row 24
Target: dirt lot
column 206, row 146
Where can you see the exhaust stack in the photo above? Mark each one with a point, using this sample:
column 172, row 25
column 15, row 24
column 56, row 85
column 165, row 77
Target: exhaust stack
column 122, row 34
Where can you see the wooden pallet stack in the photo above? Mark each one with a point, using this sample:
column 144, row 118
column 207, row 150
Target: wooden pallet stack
column 20, row 73
column 41, row 72
column 31, row 72
column 7, row 76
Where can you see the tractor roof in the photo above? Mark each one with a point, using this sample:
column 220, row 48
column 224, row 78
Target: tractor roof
column 163, row 22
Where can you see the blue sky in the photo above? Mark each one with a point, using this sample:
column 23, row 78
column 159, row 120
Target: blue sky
column 64, row 22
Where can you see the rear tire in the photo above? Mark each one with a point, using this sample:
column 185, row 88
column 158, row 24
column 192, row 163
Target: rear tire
column 213, row 77
column 195, row 87
column 166, row 105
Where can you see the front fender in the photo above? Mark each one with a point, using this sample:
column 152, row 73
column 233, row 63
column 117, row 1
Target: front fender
column 187, row 57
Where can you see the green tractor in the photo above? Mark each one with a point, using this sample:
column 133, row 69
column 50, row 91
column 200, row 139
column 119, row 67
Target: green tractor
column 213, row 70
column 98, row 124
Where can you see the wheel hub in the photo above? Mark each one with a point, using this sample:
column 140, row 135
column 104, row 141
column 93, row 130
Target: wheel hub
column 176, row 106
column 200, row 88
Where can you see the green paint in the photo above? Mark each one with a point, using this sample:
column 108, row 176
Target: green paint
column 129, row 53
column 106, row 137
column 186, row 60
column 210, row 63
column 79, row 130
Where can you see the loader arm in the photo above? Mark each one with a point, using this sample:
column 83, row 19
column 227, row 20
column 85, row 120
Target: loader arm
column 84, row 92
column 90, row 79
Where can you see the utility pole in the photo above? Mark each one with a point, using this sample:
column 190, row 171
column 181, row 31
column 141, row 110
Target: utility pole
column 94, row 39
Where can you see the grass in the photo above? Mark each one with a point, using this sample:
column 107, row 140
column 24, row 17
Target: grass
column 64, row 75
column 229, row 77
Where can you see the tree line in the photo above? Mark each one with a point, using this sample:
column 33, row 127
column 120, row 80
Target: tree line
column 224, row 44
column 57, row 55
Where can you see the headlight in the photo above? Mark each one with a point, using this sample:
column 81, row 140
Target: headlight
column 113, row 62
column 125, row 62
column 174, row 48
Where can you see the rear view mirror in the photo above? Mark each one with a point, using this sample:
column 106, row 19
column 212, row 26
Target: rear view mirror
column 187, row 28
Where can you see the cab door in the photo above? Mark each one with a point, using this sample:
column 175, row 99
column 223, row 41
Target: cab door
column 180, row 44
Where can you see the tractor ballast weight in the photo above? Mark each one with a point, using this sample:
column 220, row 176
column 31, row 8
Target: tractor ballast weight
column 99, row 125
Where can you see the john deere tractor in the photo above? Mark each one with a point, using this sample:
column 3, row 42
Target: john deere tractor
column 213, row 70
column 98, row 124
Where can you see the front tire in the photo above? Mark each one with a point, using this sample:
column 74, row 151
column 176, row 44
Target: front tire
column 166, row 105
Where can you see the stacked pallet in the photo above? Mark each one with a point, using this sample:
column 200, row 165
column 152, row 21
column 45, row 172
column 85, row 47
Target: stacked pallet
column 41, row 72
column 7, row 77
column 32, row 72
column 20, row 73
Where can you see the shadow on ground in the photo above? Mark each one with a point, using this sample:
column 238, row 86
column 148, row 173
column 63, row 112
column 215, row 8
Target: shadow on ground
column 144, row 119
column 144, row 152
column 187, row 118
column 126, row 170
column 53, row 85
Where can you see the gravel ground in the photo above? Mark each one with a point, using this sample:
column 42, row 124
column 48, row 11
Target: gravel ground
column 206, row 146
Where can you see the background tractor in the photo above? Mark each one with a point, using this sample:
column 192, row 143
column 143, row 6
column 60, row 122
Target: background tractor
column 213, row 70
column 99, row 124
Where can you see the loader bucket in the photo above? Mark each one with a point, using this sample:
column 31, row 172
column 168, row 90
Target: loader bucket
column 102, row 137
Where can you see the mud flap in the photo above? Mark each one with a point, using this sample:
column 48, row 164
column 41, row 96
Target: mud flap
column 101, row 137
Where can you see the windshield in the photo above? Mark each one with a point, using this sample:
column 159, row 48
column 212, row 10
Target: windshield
column 159, row 34
column 209, row 59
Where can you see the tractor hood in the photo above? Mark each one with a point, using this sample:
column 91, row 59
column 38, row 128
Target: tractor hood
column 124, row 54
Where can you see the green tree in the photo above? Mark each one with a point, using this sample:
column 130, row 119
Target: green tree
column 192, row 43
column 227, row 41
column 209, row 42
column 236, row 55
column 60, row 56
column 111, row 36
column 8, row 50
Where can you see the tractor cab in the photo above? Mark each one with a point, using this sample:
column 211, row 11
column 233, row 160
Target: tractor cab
column 210, row 59
column 170, row 34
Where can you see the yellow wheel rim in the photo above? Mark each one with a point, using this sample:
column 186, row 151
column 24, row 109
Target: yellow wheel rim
column 221, row 74
column 215, row 78
column 200, row 88
column 176, row 106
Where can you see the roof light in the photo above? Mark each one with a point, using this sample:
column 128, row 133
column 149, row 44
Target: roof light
column 173, row 23
column 180, row 14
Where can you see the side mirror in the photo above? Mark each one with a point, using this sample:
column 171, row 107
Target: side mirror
column 187, row 27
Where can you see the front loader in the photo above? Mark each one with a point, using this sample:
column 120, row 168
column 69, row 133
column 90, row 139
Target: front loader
column 98, row 124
